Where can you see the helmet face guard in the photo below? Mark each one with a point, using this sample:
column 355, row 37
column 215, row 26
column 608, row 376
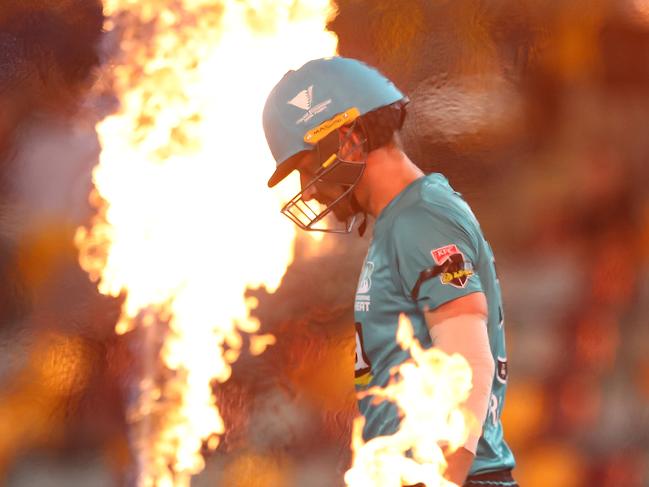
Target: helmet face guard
column 334, row 169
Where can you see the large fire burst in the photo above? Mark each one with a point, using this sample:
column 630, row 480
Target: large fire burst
column 429, row 390
column 184, row 224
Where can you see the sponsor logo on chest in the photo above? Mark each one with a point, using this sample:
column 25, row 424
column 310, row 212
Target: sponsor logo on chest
column 364, row 286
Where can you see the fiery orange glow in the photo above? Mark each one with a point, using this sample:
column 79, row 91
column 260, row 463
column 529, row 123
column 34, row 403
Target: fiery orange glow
column 429, row 391
column 641, row 8
column 184, row 222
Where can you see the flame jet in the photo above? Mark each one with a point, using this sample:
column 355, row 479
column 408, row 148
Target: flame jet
column 429, row 390
column 182, row 225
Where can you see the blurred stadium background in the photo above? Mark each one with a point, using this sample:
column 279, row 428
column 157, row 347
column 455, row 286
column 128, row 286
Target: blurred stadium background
column 537, row 111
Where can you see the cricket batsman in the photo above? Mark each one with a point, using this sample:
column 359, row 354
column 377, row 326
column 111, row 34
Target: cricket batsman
column 337, row 122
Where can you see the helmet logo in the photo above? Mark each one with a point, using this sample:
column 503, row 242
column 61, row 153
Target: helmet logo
column 304, row 101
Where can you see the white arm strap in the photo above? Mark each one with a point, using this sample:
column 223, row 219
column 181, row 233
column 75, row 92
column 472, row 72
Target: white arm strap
column 467, row 335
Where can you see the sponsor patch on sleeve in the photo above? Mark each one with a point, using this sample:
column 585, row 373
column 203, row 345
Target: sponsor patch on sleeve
column 455, row 270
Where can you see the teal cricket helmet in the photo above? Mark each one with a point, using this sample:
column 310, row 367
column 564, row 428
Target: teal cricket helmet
column 304, row 101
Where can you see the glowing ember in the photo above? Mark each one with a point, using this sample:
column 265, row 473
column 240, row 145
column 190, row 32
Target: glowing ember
column 259, row 343
column 184, row 223
column 429, row 390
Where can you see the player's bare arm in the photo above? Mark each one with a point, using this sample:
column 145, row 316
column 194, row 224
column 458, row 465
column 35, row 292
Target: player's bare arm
column 459, row 326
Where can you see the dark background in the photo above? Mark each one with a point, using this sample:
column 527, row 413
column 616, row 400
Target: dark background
column 538, row 113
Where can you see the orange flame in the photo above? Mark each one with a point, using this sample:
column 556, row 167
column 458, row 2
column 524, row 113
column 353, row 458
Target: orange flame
column 429, row 391
column 184, row 222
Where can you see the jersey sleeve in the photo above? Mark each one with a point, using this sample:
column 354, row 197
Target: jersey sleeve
column 436, row 257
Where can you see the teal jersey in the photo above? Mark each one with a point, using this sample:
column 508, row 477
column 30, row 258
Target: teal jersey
column 427, row 249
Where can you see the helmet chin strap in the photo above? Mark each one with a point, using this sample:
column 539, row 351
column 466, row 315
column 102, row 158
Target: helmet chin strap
column 358, row 209
column 363, row 226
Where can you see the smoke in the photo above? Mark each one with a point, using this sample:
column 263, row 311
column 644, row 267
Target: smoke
column 47, row 54
column 58, row 382
column 291, row 408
